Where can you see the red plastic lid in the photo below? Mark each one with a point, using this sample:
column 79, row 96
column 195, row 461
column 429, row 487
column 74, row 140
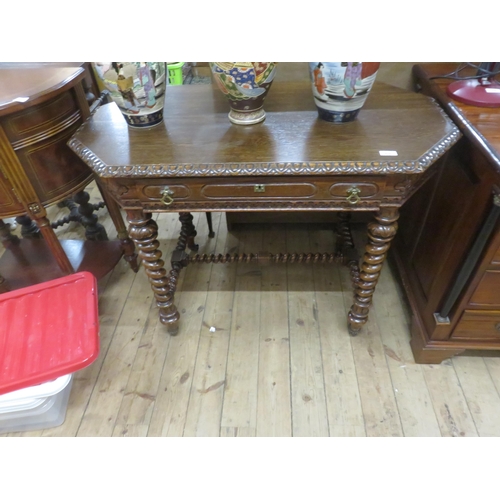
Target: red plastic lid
column 48, row 330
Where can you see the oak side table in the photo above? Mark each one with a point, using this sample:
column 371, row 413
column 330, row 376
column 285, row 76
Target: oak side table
column 198, row 161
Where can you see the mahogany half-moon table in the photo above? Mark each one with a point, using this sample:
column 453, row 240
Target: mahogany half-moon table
column 41, row 106
column 196, row 160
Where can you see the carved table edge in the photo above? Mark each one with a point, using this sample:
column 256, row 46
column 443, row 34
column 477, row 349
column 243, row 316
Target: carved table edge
column 268, row 168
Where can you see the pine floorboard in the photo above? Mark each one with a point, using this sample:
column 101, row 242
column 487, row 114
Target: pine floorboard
column 263, row 350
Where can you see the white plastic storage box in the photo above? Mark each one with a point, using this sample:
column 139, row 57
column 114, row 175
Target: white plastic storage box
column 37, row 407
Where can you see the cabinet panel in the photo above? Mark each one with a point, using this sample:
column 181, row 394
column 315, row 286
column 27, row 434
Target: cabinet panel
column 496, row 257
column 9, row 204
column 52, row 168
column 454, row 213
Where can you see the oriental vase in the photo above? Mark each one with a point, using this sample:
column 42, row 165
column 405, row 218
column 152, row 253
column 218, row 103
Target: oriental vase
column 340, row 88
column 245, row 85
column 138, row 88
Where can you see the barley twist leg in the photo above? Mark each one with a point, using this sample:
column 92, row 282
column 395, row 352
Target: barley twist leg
column 380, row 235
column 144, row 232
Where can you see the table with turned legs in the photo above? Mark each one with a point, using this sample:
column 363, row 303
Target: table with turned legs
column 197, row 161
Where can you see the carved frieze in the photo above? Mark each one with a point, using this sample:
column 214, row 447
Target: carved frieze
column 180, row 206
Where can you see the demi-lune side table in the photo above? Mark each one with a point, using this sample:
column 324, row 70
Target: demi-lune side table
column 41, row 107
column 197, row 161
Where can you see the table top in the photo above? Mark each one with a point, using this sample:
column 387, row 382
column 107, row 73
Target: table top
column 24, row 86
column 197, row 138
column 482, row 125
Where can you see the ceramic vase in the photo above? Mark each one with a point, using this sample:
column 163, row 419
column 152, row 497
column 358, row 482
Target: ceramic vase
column 245, row 85
column 340, row 88
column 138, row 88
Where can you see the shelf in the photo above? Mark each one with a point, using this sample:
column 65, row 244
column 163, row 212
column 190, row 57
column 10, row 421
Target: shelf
column 30, row 262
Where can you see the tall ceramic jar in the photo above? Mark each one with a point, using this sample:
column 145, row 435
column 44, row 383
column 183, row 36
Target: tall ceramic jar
column 138, row 88
column 245, row 85
column 340, row 88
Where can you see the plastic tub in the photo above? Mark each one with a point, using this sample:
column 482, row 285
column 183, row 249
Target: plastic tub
column 37, row 407
column 47, row 331
column 175, row 73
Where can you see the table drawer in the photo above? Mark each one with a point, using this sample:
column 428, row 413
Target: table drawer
column 42, row 121
column 260, row 190
column 479, row 325
column 487, row 292
column 349, row 193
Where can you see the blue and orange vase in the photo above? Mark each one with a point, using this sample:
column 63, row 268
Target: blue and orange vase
column 138, row 88
column 340, row 89
column 245, row 85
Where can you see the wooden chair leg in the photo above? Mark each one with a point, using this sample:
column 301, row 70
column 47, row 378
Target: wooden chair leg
column 94, row 231
column 29, row 228
column 6, row 237
column 211, row 233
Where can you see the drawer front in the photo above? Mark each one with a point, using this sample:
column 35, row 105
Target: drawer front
column 42, row 121
column 179, row 192
column 478, row 325
column 264, row 190
column 342, row 190
column 487, row 292
column 256, row 193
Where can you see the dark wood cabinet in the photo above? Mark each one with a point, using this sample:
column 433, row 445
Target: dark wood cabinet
column 448, row 246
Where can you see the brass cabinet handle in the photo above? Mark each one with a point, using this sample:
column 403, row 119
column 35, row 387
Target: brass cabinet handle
column 497, row 327
column 353, row 195
column 166, row 196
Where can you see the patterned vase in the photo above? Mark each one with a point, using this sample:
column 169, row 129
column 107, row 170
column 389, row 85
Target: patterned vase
column 245, row 84
column 340, row 88
column 138, row 88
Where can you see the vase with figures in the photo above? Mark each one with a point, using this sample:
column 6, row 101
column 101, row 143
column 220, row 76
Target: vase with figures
column 340, row 89
column 138, row 88
column 245, row 85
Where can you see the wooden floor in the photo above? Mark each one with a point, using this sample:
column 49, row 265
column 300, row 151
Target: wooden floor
column 264, row 351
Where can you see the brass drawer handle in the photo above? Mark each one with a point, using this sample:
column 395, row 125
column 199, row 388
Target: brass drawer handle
column 353, row 195
column 259, row 188
column 497, row 327
column 166, row 196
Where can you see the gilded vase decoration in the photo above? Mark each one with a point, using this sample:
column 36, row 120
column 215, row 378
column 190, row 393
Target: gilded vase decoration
column 340, row 89
column 138, row 88
column 245, row 85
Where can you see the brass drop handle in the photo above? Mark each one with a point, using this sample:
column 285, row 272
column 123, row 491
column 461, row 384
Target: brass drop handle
column 497, row 327
column 353, row 195
column 166, row 196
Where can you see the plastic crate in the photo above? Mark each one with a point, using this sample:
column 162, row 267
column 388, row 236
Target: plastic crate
column 175, row 73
